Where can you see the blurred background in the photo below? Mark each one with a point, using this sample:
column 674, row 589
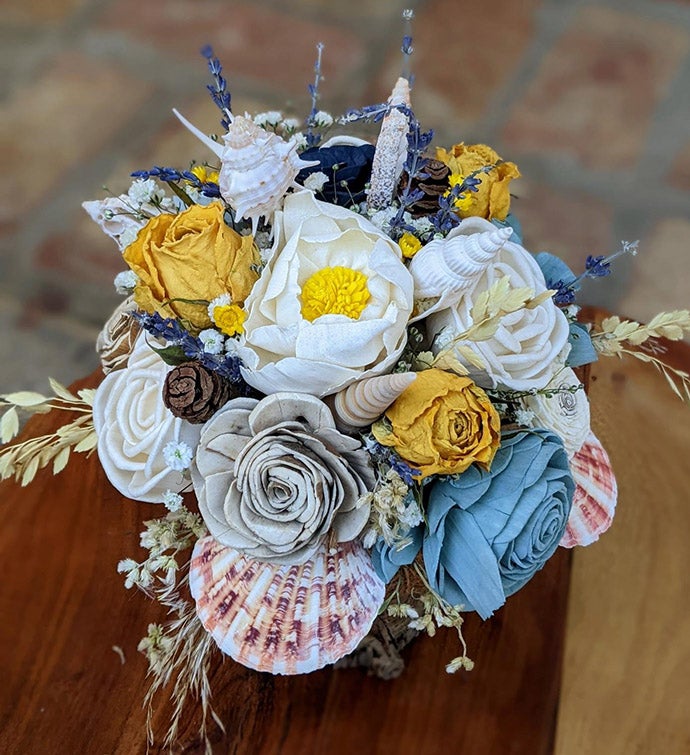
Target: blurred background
column 590, row 99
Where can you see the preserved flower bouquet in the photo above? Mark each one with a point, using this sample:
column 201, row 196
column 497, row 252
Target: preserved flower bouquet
column 343, row 357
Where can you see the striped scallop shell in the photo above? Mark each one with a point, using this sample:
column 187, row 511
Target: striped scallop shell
column 361, row 403
column 285, row 619
column 445, row 268
column 594, row 502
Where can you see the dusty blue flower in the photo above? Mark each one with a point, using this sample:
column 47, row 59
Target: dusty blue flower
column 348, row 169
column 490, row 532
column 387, row 559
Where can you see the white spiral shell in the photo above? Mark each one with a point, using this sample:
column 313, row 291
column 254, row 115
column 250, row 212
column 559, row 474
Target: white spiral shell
column 596, row 492
column 445, row 269
column 285, row 619
column 361, row 403
column 257, row 167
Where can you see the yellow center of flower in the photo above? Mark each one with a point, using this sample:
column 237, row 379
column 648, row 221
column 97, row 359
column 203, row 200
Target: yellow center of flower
column 334, row 291
column 410, row 245
column 229, row 319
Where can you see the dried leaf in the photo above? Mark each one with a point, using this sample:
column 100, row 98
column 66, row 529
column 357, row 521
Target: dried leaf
column 87, row 395
column 25, row 398
column 540, row 299
column 60, row 390
column 446, row 360
column 87, row 443
column 60, row 461
column 9, row 425
column 30, row 471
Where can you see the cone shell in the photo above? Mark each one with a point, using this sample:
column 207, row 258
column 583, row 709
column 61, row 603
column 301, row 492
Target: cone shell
column 596, row 491
column 285, row 619
column 444, row 269
column 361, row 403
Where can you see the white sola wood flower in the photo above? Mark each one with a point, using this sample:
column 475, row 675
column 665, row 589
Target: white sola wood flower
column 523, row 352
column 134, row 427
column 331, row 306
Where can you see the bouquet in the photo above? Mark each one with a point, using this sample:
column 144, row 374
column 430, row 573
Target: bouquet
column 356, row 395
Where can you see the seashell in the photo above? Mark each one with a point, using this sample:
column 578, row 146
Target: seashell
column 391, row 149
column 445, row 268
column 594, row 502
column 257, row 167
column 116, row 341
column 285, row 619
column 361, row 403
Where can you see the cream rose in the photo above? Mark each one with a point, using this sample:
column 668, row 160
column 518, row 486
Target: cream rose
column 522, row 353
column 564, row 411
column 274, row 477
column 133, row 426
column 330, row 307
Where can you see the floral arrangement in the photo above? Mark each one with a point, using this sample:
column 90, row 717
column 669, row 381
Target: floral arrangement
column 341, row 355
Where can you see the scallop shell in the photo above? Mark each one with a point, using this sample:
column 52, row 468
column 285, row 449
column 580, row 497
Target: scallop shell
column 391, row 149
column 361, row 403
column 445, row 268
column 257, row 167
column 285, row 619
column 594, row 502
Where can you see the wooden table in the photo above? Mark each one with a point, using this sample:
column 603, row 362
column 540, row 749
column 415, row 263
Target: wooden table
column 623, row 690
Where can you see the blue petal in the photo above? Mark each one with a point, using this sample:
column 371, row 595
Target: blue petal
column 581, row 349
column 388, row 559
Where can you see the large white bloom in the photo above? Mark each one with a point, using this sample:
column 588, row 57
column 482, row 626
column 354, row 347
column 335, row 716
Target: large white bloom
column 283, row 350
column 523, row 352
column 134, row 426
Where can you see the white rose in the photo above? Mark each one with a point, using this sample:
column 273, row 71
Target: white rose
column 565, row 412
column 522, row 352
column 133, row 426
column 284, row 350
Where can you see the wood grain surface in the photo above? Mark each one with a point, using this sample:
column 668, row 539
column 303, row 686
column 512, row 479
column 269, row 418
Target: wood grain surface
column 63, row 608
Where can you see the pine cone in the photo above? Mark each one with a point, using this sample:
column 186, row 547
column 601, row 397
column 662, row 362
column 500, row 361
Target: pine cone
column 195, row 393
column 433, row 185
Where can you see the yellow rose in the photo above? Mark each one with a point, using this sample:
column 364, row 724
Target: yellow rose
column 492, row 199
column 441, row 424
column 194, row 256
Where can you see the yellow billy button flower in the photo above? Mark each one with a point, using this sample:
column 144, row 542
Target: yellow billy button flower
column 334, row 291
column 464, row 202
column 204, row 174
column 229, row 319
column 410, row 245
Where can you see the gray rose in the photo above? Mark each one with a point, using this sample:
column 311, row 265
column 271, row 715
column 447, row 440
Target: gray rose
column 274, row 477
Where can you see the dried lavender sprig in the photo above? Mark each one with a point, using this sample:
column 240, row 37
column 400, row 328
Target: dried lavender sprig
column 388, row 457
column 313, row 138
column 171, row 330
column 219, row 89
column 171, row 175
column 406, row 48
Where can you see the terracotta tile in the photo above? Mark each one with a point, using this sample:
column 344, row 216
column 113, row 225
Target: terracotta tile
column 66, row 116
column 39, row 11
column 659, row 279
column 680, row 174
column 461, row 59
column 254, row 42
column 595, row 92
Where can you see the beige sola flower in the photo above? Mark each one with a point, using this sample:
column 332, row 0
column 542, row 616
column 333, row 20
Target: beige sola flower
column 523, row 352
column 332, row 305
column 274, row 478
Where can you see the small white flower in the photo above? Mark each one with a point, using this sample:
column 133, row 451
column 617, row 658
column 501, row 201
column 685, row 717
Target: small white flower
column 323, row 119
column 290, row 125
column 125, row 282
column 220, row 301
column 178, row 455
column 299, row 139
column 382, row 218
column 213, row 341
column 370, row 538
column 423, row 226
column 524, row 417
column 270, row 118
column 128, row 236
column 315, row 181
column 172, row 501
column 141, row 191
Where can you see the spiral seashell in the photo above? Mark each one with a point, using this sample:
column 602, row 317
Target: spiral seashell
column 285, row 619
column 594, row 502
column 116, row 341
column 257, row 167
column 445, row 268
column 391, row 149
column 361, row 403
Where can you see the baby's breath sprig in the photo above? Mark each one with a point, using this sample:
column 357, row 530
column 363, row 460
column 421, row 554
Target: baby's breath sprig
column 23, row 460
column 616, row 336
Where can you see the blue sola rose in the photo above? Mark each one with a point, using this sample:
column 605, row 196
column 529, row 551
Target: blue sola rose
column 490, row 532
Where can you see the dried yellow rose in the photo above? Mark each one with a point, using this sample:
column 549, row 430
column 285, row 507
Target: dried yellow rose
column 441, row 424
column 190, row 257
column 492, row 198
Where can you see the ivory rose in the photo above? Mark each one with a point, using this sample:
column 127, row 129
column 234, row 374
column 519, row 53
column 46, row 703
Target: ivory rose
column 441, row 424
column 194, row 256
column 133, row 426
column 302, row 327
column 274, row 478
